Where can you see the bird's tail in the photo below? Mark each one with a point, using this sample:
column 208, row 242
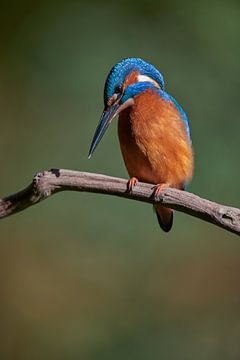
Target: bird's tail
column 165, row 217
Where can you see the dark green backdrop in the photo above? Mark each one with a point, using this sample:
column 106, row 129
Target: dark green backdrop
column 85, row 276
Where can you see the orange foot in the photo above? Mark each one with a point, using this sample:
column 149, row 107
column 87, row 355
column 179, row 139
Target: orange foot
column 131, row 183
column 159, row 188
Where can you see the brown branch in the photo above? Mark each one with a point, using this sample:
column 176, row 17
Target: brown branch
column 50, row 182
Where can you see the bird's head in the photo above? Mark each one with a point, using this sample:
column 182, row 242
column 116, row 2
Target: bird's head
column 127, row 79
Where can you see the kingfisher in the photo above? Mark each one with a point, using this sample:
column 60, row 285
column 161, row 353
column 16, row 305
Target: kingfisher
column 153, row 130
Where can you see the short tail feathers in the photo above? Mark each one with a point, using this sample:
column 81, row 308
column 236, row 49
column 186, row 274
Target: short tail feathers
column 165, row 217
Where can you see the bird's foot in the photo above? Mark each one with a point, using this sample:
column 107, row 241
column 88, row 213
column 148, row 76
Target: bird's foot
column 131, row 183
column 159, row 188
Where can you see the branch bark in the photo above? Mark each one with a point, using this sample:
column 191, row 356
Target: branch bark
column 55, row 180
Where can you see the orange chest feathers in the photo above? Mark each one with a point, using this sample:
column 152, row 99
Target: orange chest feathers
column 154, row 141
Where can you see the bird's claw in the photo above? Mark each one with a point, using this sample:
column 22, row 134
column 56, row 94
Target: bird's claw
column 131, row 183
column 159, row 188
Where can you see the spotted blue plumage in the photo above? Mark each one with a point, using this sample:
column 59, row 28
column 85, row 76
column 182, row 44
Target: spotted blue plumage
column 118, row 73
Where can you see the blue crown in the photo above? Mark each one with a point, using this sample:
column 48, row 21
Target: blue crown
column 118, row 73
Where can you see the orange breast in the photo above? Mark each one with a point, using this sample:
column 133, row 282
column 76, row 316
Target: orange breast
column 154, row 141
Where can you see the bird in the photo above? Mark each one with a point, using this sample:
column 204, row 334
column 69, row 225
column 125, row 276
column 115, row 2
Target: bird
column 153, row 130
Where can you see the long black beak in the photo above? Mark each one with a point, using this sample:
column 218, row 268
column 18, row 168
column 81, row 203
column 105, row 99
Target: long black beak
column 104, row 122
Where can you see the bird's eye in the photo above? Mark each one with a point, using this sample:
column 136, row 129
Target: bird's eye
column 118, row 90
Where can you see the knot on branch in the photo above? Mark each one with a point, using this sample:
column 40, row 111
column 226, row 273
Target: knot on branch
column 41, row 186
column 230, row 217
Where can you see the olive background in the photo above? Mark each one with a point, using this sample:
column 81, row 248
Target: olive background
column 86, row 276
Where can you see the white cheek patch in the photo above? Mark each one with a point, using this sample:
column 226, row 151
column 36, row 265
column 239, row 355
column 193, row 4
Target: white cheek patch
column 125, row 105
column 143, row 78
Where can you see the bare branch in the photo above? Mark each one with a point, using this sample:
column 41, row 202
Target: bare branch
column 50, row 182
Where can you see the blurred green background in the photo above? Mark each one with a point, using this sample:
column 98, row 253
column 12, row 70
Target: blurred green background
column 87, row 276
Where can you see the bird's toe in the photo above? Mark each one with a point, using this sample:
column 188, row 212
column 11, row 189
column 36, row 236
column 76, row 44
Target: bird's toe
column 131, row 183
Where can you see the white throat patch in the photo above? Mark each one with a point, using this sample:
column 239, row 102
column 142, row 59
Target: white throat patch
column 143, row 78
